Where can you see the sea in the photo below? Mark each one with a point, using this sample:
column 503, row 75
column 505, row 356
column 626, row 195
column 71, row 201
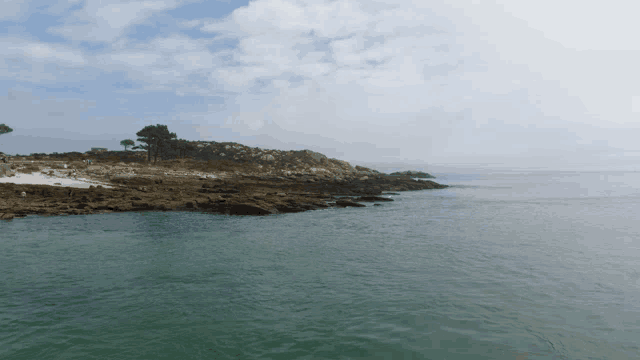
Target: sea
column 511, row 265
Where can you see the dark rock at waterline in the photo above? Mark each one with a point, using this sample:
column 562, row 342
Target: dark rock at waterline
column 247, row 209
column 373, row 198
column 345, row 203
column 6, row 216
column 377, row 205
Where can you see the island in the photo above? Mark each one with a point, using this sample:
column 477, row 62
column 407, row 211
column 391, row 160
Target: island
column 221, row 178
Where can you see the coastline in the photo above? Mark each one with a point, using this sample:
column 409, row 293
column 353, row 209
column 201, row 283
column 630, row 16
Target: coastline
column 235, row 194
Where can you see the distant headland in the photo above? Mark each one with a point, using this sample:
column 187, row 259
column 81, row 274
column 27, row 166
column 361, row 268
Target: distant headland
column 413, row 174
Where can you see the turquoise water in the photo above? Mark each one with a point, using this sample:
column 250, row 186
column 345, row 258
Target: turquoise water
column 501, row 266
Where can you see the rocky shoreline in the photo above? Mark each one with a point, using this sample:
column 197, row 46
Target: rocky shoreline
column 220, row 178
column 234, row 195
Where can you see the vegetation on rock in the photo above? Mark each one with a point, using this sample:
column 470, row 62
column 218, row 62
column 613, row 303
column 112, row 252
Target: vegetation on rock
column 414, row 174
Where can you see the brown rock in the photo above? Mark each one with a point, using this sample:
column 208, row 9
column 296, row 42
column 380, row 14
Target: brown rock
column 6, row 216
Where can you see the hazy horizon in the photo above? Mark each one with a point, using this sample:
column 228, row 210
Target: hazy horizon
column 453, row 84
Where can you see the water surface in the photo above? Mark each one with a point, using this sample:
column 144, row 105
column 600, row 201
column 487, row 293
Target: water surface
column 500, row 266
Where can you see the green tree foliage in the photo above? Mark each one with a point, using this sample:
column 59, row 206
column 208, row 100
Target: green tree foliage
column 178, row 148
column 4, row 129
column 154, row 138
column 126, row 143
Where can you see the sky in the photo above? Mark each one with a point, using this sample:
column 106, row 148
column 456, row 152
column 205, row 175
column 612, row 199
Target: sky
column 503, row 84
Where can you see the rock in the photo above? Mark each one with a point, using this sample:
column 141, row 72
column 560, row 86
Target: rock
column 377, row 205
column 345, row 203
column 5, row 170
column 246, row 209
column 6, row 216
column 373, row 198
column 315, row 155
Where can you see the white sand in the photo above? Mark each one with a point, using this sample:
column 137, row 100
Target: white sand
column 38, row 178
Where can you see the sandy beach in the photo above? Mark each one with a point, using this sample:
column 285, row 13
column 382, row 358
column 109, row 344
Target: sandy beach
column 39, row 178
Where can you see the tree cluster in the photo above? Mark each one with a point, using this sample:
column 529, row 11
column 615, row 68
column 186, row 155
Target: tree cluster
column 159, row 142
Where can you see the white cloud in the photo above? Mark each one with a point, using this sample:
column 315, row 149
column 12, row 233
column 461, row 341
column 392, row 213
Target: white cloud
column 11, row 47
column 431, row 80
column 106, row 20
column 175, row 63
column 453, row 76
column 39, row 62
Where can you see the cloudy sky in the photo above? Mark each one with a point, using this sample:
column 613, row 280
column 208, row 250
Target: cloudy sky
column 496, row 84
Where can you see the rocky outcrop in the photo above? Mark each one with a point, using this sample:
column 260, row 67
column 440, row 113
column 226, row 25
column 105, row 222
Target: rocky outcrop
column 413, row 174
column 238, row 195
column 223, row 178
